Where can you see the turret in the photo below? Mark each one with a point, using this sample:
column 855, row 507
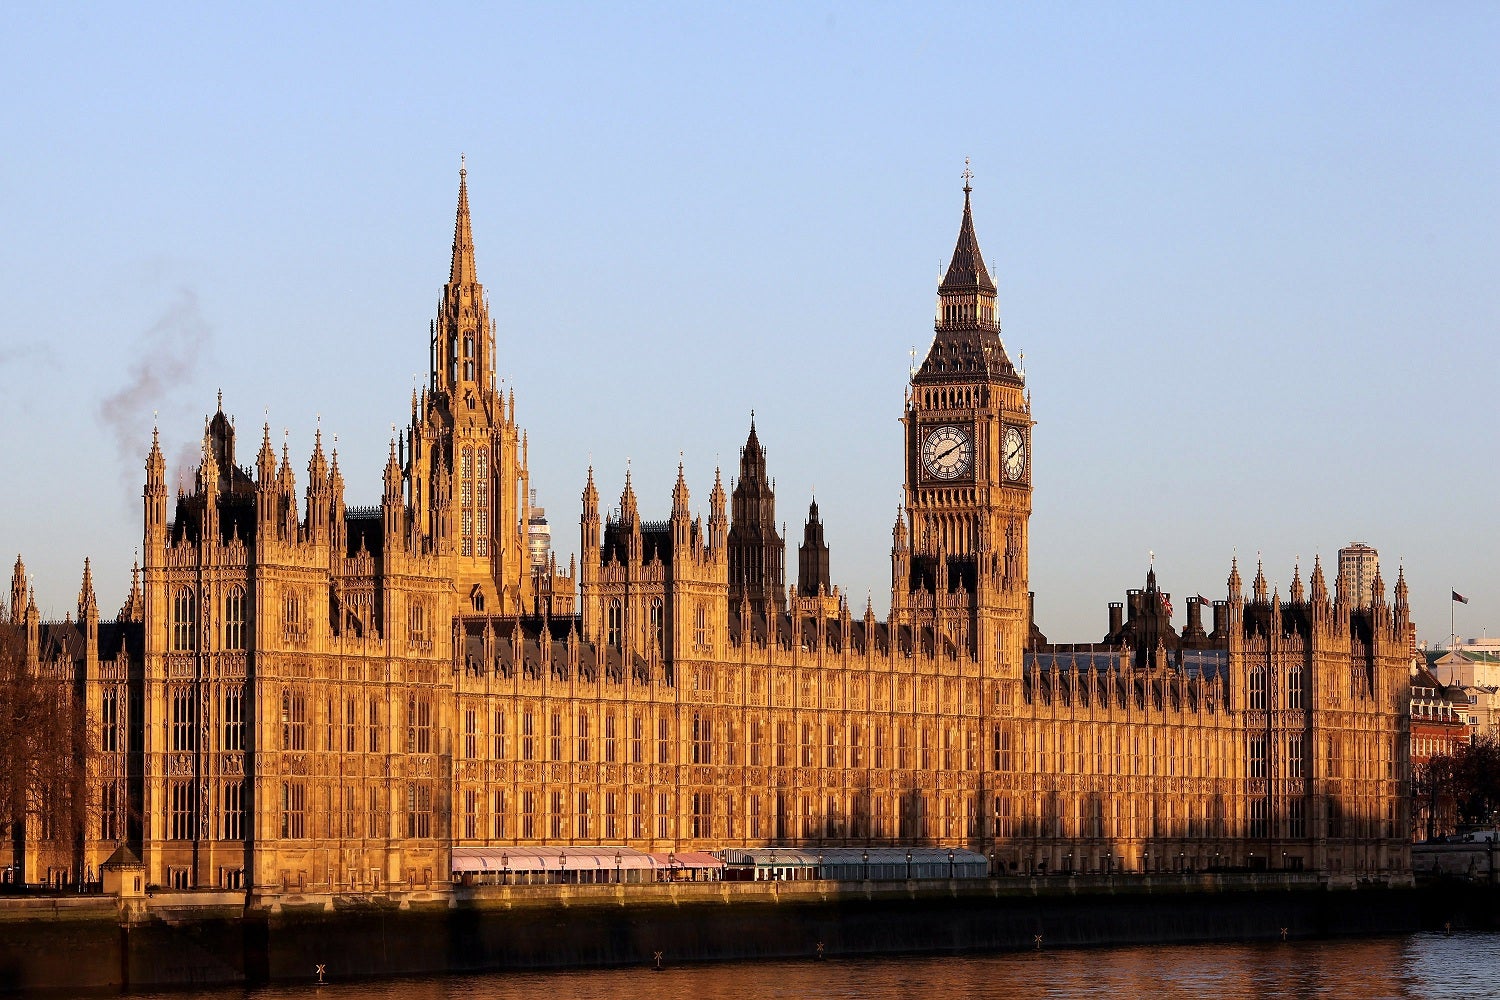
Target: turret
column 588, row 524
column 718, row 524
column 155, row 493
column 318, row 503
column 134, row 608
column 812, row 556
column 1295, row 591
column 1259, row 586
column 392, row 508
column 681, row 518
column 630, row 520
column 88, row 605
column 900, row 561
column 286, row 496
column 338, row 526
column 18, row 592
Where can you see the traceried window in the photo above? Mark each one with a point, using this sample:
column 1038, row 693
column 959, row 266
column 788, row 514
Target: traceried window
column 180, row 817
column 234, row 618
column 658, row 632
column 232, row 718
column 663, row 741
column 418, row 809
column 700, row 626
column 703, row 746
column 184, row 620
column 528, row 735
column 373, row 728
column 232, row 811
column 466, row 501
column 293, row 810
column 418, row 724
column 291, row 612
column 482, row 501
column 555, row 737
column 610, row 721
column 1294, row 766
column 416, row 623
column 469, row 357
column 471, row 737
column 109, row 811
column 1294, row 686
column 615, row 624
column 183, row 729
column 1257, row 756
column 1258, row 687
column 581, row 734
column 293, row 719
column 109, row 716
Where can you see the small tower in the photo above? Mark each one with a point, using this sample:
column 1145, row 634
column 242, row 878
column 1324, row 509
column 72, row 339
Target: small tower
column 757, row 552
column 812, row 557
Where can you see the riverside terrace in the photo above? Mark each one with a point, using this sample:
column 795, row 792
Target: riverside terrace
column 624, row 865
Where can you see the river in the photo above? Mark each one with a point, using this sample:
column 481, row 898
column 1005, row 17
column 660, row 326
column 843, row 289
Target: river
column 1417, row 966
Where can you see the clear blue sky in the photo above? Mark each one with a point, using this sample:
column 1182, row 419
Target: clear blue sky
column 1249, row 252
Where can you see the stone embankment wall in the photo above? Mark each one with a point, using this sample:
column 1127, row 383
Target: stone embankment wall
column 178, row 939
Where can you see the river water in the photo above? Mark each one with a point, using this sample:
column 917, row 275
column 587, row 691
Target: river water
column 1419, row 965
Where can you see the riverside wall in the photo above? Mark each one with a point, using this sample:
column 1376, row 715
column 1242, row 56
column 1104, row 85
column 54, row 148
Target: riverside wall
column 182, row 939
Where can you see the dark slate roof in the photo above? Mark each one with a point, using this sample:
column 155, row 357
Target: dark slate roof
column 967, row 270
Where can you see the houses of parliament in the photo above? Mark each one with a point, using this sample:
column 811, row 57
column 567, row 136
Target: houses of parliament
column 304, row 695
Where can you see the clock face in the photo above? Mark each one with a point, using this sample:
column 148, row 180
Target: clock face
column 1013, row 454
column 947, row 452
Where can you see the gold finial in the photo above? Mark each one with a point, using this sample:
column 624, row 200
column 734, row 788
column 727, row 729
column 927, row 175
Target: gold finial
column 968, row 176
column 463, row 167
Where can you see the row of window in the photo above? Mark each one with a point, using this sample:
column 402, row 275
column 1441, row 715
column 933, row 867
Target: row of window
column 1259, row 694
column 590, row 815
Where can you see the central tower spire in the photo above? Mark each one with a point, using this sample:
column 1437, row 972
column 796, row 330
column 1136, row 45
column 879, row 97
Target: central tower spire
column 462, row 271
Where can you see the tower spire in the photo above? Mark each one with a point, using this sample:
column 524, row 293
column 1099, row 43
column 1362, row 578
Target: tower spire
column 966, row 272
column 462, row 271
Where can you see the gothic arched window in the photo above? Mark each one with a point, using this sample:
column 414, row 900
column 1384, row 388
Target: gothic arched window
column 615, row 624
column 184, row 620
column 234, row 618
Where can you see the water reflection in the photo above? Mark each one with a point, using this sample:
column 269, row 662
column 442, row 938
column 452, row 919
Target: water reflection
column 1419, row 966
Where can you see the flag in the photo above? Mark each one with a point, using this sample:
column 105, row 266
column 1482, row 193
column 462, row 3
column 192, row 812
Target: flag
column 1166, row 605
column 1460, row 598
column 1203, row 600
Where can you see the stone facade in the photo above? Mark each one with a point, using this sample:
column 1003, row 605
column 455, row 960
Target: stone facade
column 308, row 695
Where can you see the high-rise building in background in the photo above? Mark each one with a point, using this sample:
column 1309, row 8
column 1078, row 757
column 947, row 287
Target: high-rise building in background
column 1359, row 565
column 538, row 535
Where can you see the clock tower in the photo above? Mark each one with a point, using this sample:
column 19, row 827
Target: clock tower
column 960, row 554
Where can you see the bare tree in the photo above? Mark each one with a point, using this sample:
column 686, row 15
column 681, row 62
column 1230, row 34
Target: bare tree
column 45, row 752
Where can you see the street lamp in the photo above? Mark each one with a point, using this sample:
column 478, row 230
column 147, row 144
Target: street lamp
column 866, row 857
column 562, row 866
column 950, row 864
column 617, row 868
column 820, row 866
column 671, row 866
column 505, row 865
column 908, row 866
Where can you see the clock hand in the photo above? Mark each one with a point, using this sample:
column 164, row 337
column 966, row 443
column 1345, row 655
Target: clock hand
column 950, row 450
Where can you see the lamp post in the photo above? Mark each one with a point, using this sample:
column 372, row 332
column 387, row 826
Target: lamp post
column 908, row 866
column 562, row 867
column 617, row 867
column 1146, row 863
column 866, row 857
column 1109, row 864
column 505, row 866
column 671, row 866
column 820, row 866
column 992, row 870
column 950, row 864
column 1070, row 863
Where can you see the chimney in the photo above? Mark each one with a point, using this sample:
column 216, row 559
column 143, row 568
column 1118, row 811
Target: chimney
column 1116, row 617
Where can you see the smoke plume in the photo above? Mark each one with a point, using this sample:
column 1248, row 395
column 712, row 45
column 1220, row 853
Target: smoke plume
column 166, row 357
